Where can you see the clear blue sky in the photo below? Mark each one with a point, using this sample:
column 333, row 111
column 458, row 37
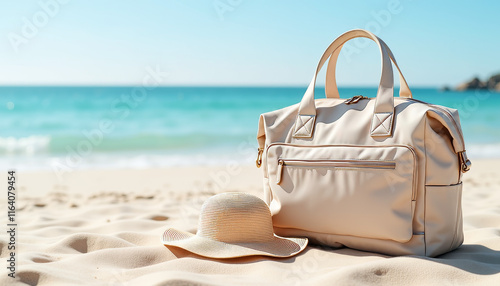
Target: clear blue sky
column 244, row 42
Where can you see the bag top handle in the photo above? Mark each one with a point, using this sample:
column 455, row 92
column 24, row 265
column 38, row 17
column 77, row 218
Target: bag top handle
column 384, row 103
column 331, row 88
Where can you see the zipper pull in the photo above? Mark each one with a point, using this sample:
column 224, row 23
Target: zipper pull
column 258, row 162
column 465, row 162
column 355, row 99
column 280, row 171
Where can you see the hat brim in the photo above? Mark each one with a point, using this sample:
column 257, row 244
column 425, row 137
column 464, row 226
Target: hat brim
column 275, row 247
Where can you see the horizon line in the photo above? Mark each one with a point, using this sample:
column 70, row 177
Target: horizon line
column 202, row 86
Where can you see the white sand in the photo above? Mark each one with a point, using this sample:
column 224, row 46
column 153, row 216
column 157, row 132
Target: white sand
column 104, row 227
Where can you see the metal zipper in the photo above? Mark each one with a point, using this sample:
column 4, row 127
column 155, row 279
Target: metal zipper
column 412, row 150
column 359, row 164
column 355, row 99
column 258, row 162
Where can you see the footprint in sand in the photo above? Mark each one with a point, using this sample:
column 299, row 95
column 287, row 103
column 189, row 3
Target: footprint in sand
column 42, row 259
column 28, row 277
column 380, row 272
column 159, row 218
column 144, row 197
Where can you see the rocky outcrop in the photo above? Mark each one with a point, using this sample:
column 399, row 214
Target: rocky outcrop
column 493, row 84
column 445, row 88
column 473, row 84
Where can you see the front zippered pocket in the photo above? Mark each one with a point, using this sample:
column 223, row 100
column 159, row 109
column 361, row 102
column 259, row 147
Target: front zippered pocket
column 361, row 191
column 345, row 164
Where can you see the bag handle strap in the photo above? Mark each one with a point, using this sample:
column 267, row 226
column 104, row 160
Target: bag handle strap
column 384, row 103
column 331, row 88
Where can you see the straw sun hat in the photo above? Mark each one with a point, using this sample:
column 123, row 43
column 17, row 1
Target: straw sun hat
column 234, row 225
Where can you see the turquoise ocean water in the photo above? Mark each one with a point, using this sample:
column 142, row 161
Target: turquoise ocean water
column 108, row 127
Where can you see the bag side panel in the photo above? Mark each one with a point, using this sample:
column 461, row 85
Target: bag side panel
column 443, row 187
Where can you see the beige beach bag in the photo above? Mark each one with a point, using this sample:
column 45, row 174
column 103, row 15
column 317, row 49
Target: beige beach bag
column 378, row 174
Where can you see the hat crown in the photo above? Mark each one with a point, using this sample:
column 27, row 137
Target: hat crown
column 235, row 217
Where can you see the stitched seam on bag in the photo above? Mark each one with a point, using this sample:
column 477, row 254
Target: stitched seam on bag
column 374, row 130
column 389, row 120
column 304, row 123
column 381, row 123
column 452, row 185
column 298, row 129
column 376, row 127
